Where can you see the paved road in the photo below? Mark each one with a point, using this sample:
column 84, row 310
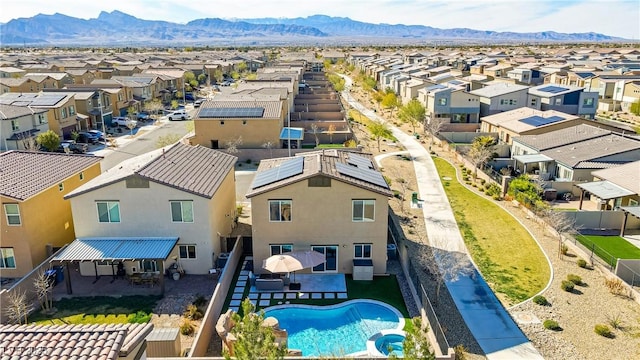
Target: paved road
column 143, row 143
column 489, row 322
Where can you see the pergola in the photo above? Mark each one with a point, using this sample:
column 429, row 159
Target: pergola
column 540, row 159
column 116, row 249
column 604, row 190
column 628, row 210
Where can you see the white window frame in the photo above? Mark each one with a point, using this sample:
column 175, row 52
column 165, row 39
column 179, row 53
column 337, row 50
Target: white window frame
column 12, row 214
column 281, row 213
column 633, row 202
column 15, row 125
column 186, row 248
column 282, row 248
column 182, row 210
column 442, row 101
column 362, row 251
column 153, row 263
column 109, row 204
column 4, row 254
column 364, row 203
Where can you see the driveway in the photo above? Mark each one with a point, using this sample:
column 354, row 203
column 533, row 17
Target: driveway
column 489, row 322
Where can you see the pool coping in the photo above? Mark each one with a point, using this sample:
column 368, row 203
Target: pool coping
column 398, row 329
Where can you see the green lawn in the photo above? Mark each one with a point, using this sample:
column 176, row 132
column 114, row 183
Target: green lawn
column 98, row 310
column 507, row 256
column 614, row 247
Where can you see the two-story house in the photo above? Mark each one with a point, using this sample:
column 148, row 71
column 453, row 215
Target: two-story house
column 333, row 202
column 499, row 97
column 451, row 103
column 36, row 219
column 568, row 99
column 19, row 126
column 61, row 109
column 182, row 192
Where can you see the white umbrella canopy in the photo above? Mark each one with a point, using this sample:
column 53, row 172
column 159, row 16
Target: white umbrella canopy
column 281, row 263
column 309, row 258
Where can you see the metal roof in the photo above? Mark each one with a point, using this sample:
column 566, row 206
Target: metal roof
column 532, row 158
column 133, row 248
column 633, row 210
column 605, row 190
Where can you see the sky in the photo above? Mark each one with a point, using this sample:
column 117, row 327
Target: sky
column 619, row 18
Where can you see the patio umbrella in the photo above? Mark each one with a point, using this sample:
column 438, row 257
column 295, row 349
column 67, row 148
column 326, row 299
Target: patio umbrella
column 290, row 262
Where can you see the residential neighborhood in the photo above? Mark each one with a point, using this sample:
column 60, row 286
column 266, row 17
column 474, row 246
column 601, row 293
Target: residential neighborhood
column 154, row 198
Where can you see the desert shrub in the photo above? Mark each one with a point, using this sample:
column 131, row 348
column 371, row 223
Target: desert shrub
column 564, row 249
column 582, row 263
column 567, row 285
column 482, row 181
column 186, row 328
column 540, row 300
column 603, row 330
column 496, row 197
column 481, row 190
column 193, row 313
column 615, row 321
column 140, row 317
column 200, row 300
column 551, row 325
column 574, row 279
column 460, row 352
column 616, row 287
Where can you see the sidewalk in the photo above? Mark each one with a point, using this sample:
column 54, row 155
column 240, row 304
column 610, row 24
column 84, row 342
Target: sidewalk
column 489, row 322
column 126, row 138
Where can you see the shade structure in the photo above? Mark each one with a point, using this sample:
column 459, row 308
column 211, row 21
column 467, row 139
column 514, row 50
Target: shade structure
column 290, row 262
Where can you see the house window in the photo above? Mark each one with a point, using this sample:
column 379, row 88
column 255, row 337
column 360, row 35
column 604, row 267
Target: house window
column 534, row 102
column 7, row 258
column 513, row 102
column 149, row 266
column 81, row 176
column 15, row 126
column 278, row 249
column 633, row 202
column 61, row 187
column 279, row 210
column 363, row 210
column 63, row 112
column 72, row 110
column 442, row 101
column 558, row 101
column 182, row 211
column 108, row 211
column 187, row 251
column 362, row 251
column 588, row 102
column 13, row 214
column 41, row 119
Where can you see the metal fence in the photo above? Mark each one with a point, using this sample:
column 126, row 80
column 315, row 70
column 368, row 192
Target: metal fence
column 596, row 254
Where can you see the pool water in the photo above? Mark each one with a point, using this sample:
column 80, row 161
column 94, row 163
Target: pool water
column 390, row 344
column 335, row 330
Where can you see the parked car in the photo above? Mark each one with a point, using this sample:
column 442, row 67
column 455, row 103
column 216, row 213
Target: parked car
column 97, row 133
column 122, row 121
column 189, row 97
column 198, row 102
column 144, row 116
column 87, row 137
column 178, row 115
column 71, row 147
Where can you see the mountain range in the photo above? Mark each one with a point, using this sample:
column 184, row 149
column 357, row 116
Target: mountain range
column 119, row 29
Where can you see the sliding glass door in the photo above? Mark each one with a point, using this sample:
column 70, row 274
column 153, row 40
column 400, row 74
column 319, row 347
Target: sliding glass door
column 331, row 254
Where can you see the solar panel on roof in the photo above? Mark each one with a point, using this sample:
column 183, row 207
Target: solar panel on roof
column 553, row 89
column 245, row 112
column 537, row 121
column 359, row 161
column 455, row 82
column 367, row 175
column 285, row 170
column 47, row 100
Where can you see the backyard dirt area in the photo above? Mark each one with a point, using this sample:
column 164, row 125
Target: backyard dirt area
column 576, row 312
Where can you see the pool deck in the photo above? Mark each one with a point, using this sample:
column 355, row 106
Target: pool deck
column 312, row 286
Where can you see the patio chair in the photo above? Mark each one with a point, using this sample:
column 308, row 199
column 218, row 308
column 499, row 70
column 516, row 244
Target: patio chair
column 135, row 279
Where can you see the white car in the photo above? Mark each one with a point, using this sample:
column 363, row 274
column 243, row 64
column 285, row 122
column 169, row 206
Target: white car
column 178, row 115
column 122, row 121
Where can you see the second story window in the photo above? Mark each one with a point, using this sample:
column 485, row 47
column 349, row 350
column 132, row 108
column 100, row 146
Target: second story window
column 442, row 102
column 12, row 211
column 277, row 249
column 108, row 211
column 42, row 119
column 363, row 210
column 72, row 110
column 15, row 126
column 279, row 210
column 182, row 211
column 63, row 112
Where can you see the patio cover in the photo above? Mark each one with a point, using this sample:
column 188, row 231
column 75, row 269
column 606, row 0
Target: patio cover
column 633, row 210
column 134, row 248
column 605, row 190
column 532, row 158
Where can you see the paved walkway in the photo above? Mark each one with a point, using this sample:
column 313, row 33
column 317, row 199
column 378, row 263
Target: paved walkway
column 489, row 322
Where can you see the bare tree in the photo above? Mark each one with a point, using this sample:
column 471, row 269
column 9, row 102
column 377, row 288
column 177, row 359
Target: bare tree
column 43, row 290
column 444, row 265
column 561, row 224
column 315, row 130
column 17, row 307
column 268, row 145
column 233, row 145
column 481, row 149
column 131, row 125
column 433, row 126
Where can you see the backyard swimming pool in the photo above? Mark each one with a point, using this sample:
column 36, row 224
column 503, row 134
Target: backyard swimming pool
column 337, row 329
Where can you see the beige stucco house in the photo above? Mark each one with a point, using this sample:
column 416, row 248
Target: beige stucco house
column 180, row 191
column 334, row 202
